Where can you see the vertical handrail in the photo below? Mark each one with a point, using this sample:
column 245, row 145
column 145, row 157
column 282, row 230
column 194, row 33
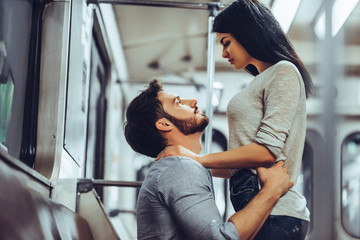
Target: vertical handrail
column 324, row 208
column 213, row 8
column 329, row 118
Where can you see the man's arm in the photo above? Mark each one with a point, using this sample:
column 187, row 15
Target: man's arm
column 276, row 182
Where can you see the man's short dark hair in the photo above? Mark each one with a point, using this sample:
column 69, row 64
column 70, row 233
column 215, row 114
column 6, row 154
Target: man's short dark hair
column 142, row 114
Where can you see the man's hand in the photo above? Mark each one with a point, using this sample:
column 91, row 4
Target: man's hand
column 276, row 182
column 275, row 178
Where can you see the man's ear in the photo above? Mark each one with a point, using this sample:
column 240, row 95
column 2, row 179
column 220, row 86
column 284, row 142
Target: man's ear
column 164, row 125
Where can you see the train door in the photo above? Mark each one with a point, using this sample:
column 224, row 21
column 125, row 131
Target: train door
column 96, row 125
column 305, row 183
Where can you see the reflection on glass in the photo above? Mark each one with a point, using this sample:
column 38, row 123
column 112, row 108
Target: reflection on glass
column 2, row 58
column 350, row 197
column 6, row 97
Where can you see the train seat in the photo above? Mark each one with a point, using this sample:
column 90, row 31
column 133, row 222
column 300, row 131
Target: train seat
column 26, row 214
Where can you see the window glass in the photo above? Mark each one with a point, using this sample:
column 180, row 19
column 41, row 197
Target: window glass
column 15, row 31
column 350, row 195
column 6, row 97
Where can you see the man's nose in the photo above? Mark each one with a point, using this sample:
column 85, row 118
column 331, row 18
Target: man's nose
column 191, row 102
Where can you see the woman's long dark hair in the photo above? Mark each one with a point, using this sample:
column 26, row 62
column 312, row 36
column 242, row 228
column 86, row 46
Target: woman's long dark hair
column 256, row 29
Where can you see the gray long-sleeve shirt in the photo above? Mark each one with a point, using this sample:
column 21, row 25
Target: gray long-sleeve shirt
column 176, row 201
column 271, row 111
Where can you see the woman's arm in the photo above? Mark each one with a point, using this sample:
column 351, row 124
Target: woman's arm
column 250, row 156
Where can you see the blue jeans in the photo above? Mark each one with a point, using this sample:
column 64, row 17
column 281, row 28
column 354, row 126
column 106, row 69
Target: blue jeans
column 243, row 187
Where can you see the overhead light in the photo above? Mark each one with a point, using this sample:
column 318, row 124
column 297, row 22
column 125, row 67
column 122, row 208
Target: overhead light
column 284, row 11
column 341, row 10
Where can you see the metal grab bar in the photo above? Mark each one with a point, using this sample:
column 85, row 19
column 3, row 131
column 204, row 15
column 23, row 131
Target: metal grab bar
column 152, row 3
column 115, row 212
column 99, row 182
column 85, row 184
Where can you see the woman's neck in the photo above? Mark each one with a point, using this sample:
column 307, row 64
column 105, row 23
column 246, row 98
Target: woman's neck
column 261, row 66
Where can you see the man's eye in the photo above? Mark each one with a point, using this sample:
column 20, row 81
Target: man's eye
column 226, row 44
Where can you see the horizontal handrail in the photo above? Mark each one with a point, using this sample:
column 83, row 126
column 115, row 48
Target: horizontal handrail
column 152, row 3
column 86, row 184
column 109, row 183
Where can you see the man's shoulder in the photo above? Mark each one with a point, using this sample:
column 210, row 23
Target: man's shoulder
column 177, row 167
column 174, row 161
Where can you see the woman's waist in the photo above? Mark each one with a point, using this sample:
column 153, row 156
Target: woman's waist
column 244, row 176
column 292, row 204
column 240, row 171
column 292, row 201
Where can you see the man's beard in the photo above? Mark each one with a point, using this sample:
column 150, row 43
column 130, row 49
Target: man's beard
column 189, row 126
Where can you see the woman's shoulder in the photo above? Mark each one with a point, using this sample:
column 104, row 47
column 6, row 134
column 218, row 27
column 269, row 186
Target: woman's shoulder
column 284, row 70
column 283, row 75
column 285, row 65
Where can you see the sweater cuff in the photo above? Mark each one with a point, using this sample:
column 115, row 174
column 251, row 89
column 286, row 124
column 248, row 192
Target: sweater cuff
column 274, row 145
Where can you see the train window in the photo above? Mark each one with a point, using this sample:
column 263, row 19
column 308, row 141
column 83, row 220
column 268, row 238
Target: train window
column 96, row 118
column 350, row 180
column 78, row 86
column 6, row 98
column 18, row 79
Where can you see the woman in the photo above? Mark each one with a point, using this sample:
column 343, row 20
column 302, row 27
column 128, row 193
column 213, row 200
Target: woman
column 267, row 120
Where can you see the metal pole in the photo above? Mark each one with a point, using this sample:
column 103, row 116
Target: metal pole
column 150, row 3
column 109, row 183
column 324, row 171
column 213, row 9
column 329, row 83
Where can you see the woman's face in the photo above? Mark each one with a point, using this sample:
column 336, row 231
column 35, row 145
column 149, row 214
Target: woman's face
column 233, row 51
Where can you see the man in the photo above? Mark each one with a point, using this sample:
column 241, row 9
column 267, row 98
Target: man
column 176, row 200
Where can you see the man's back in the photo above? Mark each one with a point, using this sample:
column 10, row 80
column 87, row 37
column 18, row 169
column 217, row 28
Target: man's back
column 176, row 201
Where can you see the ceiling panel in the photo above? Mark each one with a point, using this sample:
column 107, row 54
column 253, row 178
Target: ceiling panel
column 175, row 39
column 172, row 37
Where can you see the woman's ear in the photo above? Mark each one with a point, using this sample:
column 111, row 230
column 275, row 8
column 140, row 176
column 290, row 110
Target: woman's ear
column 164, row 125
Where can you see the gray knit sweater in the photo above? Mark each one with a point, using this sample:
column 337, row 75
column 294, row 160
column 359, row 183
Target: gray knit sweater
column 271, row 111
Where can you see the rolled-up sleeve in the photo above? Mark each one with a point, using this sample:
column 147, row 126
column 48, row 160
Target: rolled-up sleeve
column 186, row 190
column 281, row 100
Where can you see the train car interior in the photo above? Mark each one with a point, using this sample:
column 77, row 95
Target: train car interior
column 69, row 69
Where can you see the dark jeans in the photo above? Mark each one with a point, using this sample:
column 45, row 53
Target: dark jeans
column 243, row 187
